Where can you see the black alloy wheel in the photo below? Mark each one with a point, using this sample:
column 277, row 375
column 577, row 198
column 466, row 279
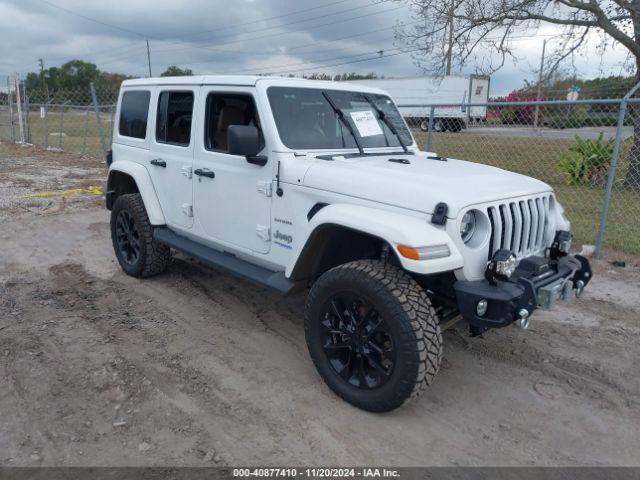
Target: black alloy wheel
column 357, row 341
column 128, row 237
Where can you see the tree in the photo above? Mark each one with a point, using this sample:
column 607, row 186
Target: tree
column 174, row 71
column 70, row 83
column 339, row 77
column 342, row 77
column 458, row 31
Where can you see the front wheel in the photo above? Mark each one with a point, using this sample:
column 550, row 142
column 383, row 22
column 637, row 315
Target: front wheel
column 372, row 334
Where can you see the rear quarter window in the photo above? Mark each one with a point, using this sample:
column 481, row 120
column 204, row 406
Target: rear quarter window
column 134, row 111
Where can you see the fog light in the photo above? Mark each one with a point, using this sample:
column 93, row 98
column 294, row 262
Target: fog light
column 481, row 307
column 501, row 266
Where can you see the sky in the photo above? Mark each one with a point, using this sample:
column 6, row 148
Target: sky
column 244, row 36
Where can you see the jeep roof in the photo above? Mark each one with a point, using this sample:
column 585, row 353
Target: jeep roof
column 250, row 81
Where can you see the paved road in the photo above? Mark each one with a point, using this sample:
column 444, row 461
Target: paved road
column 568, row 133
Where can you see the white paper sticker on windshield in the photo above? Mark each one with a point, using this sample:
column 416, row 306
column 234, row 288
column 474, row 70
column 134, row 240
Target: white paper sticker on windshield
column 366, row 123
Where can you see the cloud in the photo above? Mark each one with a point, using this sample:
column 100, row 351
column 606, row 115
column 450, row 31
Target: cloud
column 242, row 36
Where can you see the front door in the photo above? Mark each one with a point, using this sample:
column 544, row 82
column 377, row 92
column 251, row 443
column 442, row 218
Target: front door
column 232, row 200
column 171, row 152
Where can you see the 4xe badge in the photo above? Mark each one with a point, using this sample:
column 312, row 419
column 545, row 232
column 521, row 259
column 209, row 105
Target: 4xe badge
column 282, row 239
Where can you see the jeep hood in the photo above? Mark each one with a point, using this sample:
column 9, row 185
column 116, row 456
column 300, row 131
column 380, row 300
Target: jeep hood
column 421, row 184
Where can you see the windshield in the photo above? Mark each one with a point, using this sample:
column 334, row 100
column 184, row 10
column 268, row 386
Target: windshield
column 306, row 119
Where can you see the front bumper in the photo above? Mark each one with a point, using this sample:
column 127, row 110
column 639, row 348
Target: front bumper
column 525, row 290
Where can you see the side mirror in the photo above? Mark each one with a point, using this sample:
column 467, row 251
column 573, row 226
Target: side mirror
column 244, row 140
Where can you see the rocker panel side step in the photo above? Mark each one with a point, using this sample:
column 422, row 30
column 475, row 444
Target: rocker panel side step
column 224, row 261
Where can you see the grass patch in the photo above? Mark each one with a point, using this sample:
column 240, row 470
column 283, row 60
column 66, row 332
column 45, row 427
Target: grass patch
column 76, row 132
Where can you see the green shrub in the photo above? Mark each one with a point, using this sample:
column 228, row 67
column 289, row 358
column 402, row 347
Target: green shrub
column 508, row 116
column 587, row 161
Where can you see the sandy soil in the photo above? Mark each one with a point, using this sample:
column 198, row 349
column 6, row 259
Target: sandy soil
column 194, row 367
column 27, row 171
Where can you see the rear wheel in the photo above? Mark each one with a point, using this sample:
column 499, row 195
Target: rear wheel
column 137, row 252
column 372, row 334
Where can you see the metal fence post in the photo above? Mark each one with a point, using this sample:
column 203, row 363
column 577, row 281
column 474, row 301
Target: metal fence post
column 16, row 82
column 427, row 147
column 612, row 169
column 112, row 116
column 86, row 131
column 27, row 116
column 10, row 100
column 46, row 125
column 97, row 109
column 60, row 130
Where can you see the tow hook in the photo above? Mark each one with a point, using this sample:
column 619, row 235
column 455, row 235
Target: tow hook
column 579, row 288
column 523, row 318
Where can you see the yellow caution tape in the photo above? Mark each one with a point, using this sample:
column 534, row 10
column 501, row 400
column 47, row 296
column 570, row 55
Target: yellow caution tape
column 93, row 190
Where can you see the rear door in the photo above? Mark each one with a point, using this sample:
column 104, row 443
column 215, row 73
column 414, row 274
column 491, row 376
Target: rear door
column 171, row 159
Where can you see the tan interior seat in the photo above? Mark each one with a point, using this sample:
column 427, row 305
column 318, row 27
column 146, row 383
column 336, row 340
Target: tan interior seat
column 229, row 115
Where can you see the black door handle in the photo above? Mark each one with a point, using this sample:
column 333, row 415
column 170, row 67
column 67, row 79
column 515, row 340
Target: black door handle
column 203, row 172
column 159, row 163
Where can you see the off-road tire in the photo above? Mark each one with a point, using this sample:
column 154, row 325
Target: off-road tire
column 412, row 321
column 154, row 257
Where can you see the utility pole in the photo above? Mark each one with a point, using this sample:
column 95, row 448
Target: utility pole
column 45, row 87
column 149, row 58
column 41, row 63
column 536, row 113
column 450, row 42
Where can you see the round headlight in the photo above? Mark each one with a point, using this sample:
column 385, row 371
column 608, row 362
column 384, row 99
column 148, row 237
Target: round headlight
column 468, row 226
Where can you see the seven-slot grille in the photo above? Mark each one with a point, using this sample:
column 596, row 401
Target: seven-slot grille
column 520, row 226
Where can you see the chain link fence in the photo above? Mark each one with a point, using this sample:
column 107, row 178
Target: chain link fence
column 65, row 120
column 573, row 146
column 569, row 145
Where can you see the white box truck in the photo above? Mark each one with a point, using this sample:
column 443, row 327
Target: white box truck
column 451, row 95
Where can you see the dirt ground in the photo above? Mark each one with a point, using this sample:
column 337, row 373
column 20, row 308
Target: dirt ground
column 195, row 367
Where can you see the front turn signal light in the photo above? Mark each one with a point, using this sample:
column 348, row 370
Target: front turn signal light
column 423, row 253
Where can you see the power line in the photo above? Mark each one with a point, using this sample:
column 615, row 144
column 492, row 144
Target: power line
column 251, row 70
column 271, row 35
column 275, row 54
column 344, row 63
column 269, row 18
column 252, row 53
column 380, row 53
column 189, row 44
column 299, row 47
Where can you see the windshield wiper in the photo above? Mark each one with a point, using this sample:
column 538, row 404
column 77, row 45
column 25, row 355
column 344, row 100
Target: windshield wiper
column 344, row 121
column 387, row 122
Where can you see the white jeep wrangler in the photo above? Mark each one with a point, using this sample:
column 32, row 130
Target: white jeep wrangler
column 307, row 184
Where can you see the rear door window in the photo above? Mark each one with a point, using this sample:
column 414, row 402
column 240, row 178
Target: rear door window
column 173, row 123
column 134, row 110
